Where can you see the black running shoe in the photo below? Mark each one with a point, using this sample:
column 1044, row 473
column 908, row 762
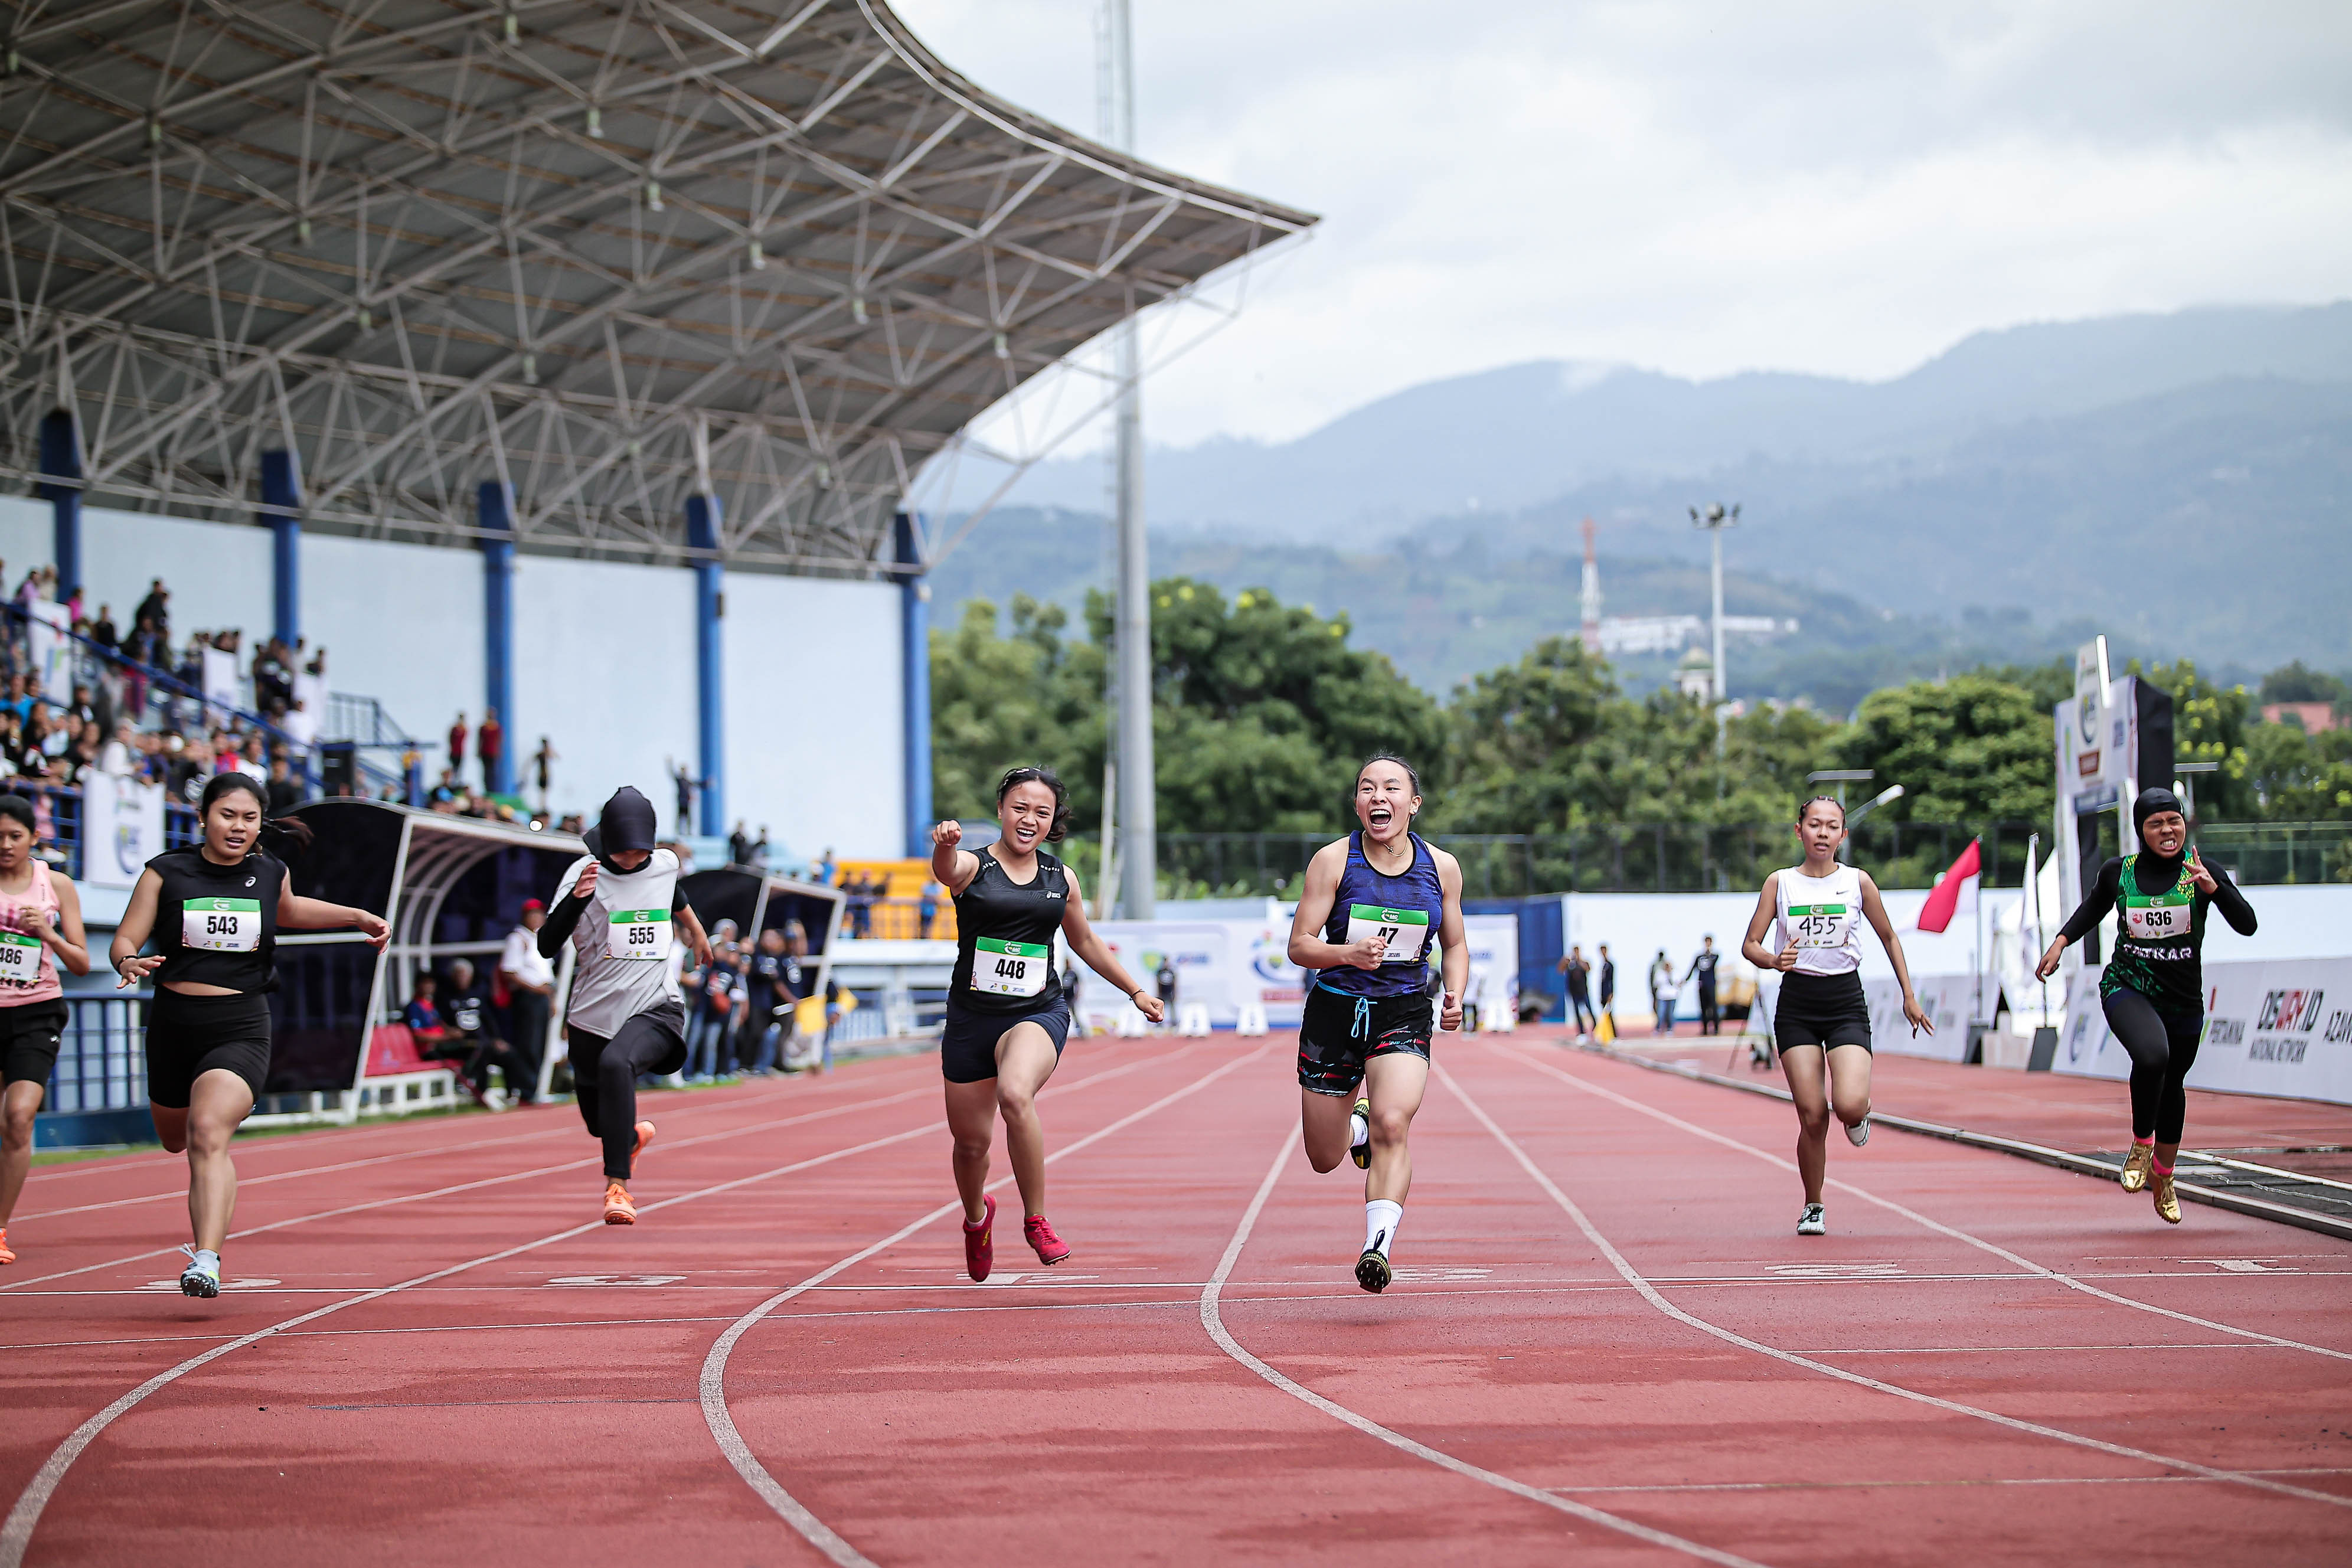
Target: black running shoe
column 1373, row 1271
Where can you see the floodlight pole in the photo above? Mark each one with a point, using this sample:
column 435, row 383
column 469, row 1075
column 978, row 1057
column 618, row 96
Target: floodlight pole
column 1714, row 520
column 1138, row 854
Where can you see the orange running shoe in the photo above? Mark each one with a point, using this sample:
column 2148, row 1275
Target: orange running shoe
column 618, row 1208
column 5, row 1256
column 644, row 1136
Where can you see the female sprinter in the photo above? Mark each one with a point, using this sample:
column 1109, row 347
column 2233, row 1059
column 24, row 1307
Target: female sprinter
column 1365, row 917
column 1822, row 1024
column 2153, row 989
column 214, row 911
column 40, row 928
column 1007, row 1017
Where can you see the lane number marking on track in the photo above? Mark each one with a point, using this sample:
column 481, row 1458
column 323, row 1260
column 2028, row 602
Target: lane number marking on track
column 2242, row 1266
column 1436, row 1274
column 1837, row 1270
column 616, row 1279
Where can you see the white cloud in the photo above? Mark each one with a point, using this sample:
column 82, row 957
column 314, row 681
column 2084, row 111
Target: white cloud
column 1705, row 188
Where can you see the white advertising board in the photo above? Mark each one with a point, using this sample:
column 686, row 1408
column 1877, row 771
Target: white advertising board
column 123, row 829
column 2280, row 1026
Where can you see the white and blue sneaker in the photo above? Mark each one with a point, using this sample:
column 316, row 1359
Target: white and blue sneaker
column 1814, row 1221
column 202, row 1276
column 1859, row 1133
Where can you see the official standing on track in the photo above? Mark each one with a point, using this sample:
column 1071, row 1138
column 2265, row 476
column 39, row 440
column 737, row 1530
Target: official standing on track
column 1821, row 1022
column 40, row 928
column 2153, row 989
column 214, row 911
column 1371, row 903
column 529, row 982
column 1007, row 1017
column 1703, row 965
column 619, row 906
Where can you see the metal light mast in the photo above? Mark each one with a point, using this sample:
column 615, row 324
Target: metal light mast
column 1714, row 520
column 1591, row 633
column 1138, row 858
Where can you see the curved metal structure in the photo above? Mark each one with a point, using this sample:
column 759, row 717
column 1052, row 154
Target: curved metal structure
column 608, row 253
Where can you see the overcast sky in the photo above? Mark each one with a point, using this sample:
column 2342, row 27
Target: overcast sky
column 1705, row 188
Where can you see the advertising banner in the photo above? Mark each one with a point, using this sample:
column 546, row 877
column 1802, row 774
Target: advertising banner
column 123, row 829
column 1220, row 964
column 220, row 683
column 1949, row 1000
column 52, row 650
column 2280, row 1026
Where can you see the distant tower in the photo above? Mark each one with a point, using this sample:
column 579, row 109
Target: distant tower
column 1591, row 633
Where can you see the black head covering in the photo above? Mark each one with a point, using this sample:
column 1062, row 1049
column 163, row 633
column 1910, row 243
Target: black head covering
column 626, row 822
column 2153, row 799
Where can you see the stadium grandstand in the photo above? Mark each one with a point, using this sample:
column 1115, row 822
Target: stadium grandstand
column 570, row 361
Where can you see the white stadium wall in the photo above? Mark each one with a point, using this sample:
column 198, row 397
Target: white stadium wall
column 604, row 661
column 814, row 672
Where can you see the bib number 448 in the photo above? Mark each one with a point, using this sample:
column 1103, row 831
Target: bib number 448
column 1010, row 968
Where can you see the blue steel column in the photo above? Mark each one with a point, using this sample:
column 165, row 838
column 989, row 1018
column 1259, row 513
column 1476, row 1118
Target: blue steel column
column 281, row 508
column 496, row 518
column 703, row 522
column 61, row 458
column 915, row 685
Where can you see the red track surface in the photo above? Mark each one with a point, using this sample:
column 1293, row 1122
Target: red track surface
column 1604, row 1337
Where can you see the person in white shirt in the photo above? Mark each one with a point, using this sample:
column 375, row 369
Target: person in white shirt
column 529, row 982
column 119, row 756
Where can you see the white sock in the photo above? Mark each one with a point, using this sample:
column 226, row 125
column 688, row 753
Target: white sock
column 1359, row 1131
column 1380, row 1220
column 205, row 1255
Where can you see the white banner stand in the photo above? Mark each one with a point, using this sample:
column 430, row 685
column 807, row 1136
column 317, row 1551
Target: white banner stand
column 1193, row 1018
column 1253, row 1019
column 1130, row 1024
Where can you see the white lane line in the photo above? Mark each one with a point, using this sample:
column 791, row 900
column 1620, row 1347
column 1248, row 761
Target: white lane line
column 16, row 1531
column 1213, row 1319
column 1652, row 1295
column 1916, row 1218
column 667, row 1145
column 259, row 1149
column 1979, row 1481
column 722, row 1421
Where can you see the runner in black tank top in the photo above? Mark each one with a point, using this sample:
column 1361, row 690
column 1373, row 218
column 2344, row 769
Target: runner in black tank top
column 214, row 912
column 1374, row 906
column 1007, row 1016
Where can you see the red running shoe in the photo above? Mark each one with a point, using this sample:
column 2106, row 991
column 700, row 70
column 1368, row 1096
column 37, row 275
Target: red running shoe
column 979, row 1245
column 1051, row 1248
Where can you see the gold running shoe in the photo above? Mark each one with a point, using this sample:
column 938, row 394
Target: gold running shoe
column 1361, row 1154
column 2168, row 1202
column 2136, row 1164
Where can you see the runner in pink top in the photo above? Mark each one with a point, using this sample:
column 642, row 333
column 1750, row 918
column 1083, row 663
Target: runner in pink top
column 40, row 926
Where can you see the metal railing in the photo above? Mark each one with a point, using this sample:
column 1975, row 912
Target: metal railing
column 102, row 1058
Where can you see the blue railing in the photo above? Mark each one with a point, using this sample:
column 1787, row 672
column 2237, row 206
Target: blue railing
column 102, row 1059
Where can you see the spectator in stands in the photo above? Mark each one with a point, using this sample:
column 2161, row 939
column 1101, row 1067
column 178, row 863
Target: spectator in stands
column 155, row 608
column 1164, row 979
column 760, row 848
column 825, row 868
column 718, row 1002
column 456, row 745
column 447, row 792
column 82, row 710
column 121, row 757
column 929, row 909
column 682, row 782
column 317, row 665
column 469, row 1016
column 772, row 985
column 273, row 681
column 530, row 983
column 490, row 744
column 542, row 762
column 81, row 757
column 739, row 845
column 435, row 1040
column 572, row 823
column 146, row 649
column 17, row 702
column 284, row 793
column 103, row 632
column 191, row 770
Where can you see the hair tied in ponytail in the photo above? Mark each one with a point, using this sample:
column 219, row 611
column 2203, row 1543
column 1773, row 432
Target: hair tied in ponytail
column 277, row 834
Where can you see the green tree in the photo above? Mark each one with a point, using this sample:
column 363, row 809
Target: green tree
column 999, row 703
column 1970, row 750
column 2297, row 682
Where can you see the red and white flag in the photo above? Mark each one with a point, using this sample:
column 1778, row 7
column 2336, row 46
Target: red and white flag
column 1956, row 889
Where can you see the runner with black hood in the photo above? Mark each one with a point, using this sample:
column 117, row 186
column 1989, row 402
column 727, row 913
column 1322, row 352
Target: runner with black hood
column 618, row 905
column 2153, row 987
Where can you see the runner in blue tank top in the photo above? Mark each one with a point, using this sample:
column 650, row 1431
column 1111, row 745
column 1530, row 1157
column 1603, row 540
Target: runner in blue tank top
column 1374, row 904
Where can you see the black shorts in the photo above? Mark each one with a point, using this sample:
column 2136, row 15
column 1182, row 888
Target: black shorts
column 1338, row 1035
column 28, row 1040
column 968, row 1040
column 188, row 1036
column 1820, row 1010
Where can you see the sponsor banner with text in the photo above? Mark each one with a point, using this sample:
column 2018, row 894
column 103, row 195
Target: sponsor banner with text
column 2282, row 1027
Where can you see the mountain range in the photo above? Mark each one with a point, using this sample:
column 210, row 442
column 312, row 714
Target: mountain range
column 2183, row 481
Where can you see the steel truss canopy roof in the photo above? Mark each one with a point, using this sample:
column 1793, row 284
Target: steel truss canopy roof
column 608, row 253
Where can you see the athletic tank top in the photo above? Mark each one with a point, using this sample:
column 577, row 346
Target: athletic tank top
column 1004, row 937
column 28, row 970
column 1403, row 910
column 1822, row 916
column 2159, row 938
column 217, row 925
column 627, row 956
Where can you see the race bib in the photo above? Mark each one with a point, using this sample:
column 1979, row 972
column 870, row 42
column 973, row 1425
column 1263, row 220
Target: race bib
column 2160, row 917
column 638, row 933
column 1819, row 925
column 221, row 925
column 1403, row 933
column 1010, row 968
column 20, row 958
